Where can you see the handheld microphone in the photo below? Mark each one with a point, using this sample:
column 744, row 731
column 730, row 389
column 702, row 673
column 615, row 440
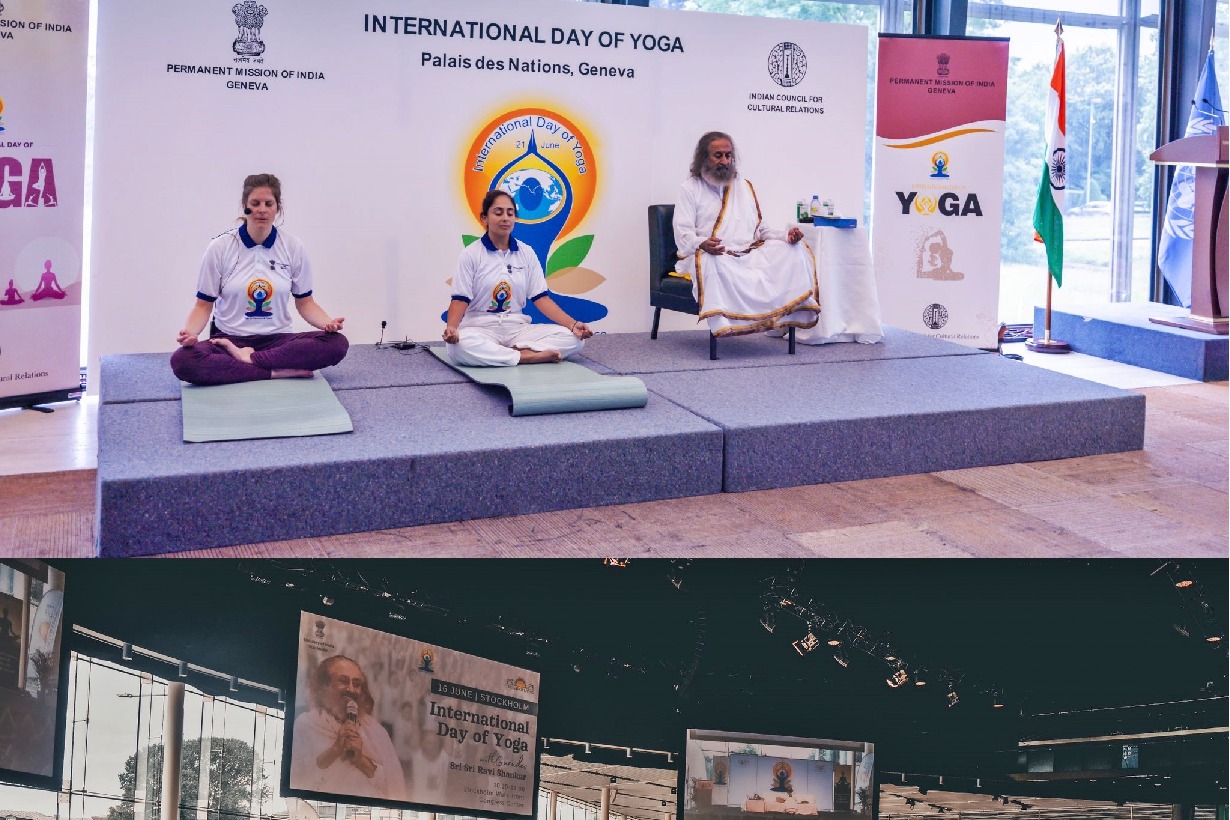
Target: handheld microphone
column 352, row 716
column 247, row 211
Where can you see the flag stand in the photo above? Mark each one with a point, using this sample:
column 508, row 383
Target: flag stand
column 1047, row 344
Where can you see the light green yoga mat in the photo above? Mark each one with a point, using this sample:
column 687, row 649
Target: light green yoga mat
column 266, row 409
column 560, row 387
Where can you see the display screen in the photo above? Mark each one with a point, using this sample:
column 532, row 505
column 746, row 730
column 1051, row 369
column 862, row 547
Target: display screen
column 31, row 637
column 737, row 773
column 385, row 719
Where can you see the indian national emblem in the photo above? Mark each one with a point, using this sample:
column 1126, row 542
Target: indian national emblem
column 787, row 64
column 941, row 61
column 249, row 17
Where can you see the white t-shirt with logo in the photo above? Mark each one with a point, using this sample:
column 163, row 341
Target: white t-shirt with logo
column 497, row 283
column 251, row 283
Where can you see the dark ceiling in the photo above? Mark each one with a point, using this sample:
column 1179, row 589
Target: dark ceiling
column 629, row 659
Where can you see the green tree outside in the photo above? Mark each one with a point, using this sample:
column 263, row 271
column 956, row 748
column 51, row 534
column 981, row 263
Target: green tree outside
column 233, row 781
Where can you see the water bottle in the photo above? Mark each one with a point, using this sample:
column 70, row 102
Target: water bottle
column 815, row 205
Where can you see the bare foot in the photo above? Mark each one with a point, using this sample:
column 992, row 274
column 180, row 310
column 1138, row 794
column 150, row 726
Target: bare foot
column 243, row 354
column 290, row 374
column 540, row 356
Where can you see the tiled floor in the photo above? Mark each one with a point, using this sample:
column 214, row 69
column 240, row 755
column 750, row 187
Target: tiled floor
column 1170, row 498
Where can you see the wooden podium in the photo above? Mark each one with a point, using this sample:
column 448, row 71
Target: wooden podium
column 1208, row 153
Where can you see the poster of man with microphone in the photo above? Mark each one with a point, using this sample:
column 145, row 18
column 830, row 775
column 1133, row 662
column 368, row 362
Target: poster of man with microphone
column 339, row 747
column 400, row 721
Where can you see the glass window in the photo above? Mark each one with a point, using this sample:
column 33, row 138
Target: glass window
column 1091, row 57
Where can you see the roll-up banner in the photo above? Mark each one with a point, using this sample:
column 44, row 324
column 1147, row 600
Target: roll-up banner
column 43, row 45
column 387, row 124
column 937, row 196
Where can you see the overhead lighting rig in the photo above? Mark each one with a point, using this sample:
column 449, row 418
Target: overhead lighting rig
column 806, row 644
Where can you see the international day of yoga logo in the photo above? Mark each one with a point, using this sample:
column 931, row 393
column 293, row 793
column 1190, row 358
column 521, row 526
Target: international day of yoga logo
column 545, row 162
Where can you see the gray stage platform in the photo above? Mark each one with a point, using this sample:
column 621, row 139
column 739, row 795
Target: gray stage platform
column 427, row 448
column 1123, row 333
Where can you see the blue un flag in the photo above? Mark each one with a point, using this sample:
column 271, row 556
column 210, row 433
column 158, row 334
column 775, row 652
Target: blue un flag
column 1174, row 254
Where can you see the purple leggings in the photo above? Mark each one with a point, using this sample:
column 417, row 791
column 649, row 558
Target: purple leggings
column 205, row 363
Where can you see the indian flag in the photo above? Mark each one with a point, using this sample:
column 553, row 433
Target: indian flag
column 1048, row 213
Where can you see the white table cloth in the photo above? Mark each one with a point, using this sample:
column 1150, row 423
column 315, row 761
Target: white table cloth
column 849, row 303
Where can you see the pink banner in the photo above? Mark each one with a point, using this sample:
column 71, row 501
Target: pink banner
column 926, row 84
column 938, row 193
column 42, row 187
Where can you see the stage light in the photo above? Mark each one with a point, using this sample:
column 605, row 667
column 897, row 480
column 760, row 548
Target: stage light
column 842, row 658
column 920, row 677
column 620, row 563
column 834, row 641
column 126, row 652
column 678, row 567
column 234, row 684
column 897, row 679
column 890, row 657
column 807, row 643
column 997, row 699
column 281, row 698
column 769, row 621
column 326, row 600
column 183, row 669
column 1184, row 583
column 1214, row 639
column 953, row 699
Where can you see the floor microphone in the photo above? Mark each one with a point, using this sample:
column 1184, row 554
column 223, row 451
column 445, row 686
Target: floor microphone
column 383, row 325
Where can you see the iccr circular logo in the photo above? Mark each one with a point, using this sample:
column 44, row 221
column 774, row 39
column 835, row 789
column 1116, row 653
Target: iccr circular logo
column 935, row 316
column 787, row 64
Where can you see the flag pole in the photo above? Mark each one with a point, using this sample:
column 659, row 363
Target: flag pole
column 1048, row 215
column 1047, row 344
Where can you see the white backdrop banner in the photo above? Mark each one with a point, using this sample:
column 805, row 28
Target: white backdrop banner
column 938, row 194
column 43, row 46
column 386, row 125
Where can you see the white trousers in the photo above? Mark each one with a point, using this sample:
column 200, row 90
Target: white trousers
column 494, row 341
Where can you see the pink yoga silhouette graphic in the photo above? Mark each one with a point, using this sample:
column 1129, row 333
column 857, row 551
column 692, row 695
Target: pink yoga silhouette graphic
column 48, row 287
column 11, row 296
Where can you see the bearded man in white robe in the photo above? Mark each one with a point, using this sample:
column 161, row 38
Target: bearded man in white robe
column 746, row 277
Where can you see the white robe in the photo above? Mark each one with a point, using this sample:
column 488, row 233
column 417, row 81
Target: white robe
column 315, row 731
column 762, row 282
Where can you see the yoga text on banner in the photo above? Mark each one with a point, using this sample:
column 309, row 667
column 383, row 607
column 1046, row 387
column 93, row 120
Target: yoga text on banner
column 387, row 124
column 42, row 189
column 937, row 198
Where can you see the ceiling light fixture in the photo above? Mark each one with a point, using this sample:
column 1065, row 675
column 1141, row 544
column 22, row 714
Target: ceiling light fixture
column 769, row 621
column 620, row 563
column 807, row 643
column 842, row 658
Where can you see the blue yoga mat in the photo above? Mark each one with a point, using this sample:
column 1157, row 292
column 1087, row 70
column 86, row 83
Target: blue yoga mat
column 274, row 408
column 559, row 387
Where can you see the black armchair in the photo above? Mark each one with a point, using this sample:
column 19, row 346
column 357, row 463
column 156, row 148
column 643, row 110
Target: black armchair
column 671, row 292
